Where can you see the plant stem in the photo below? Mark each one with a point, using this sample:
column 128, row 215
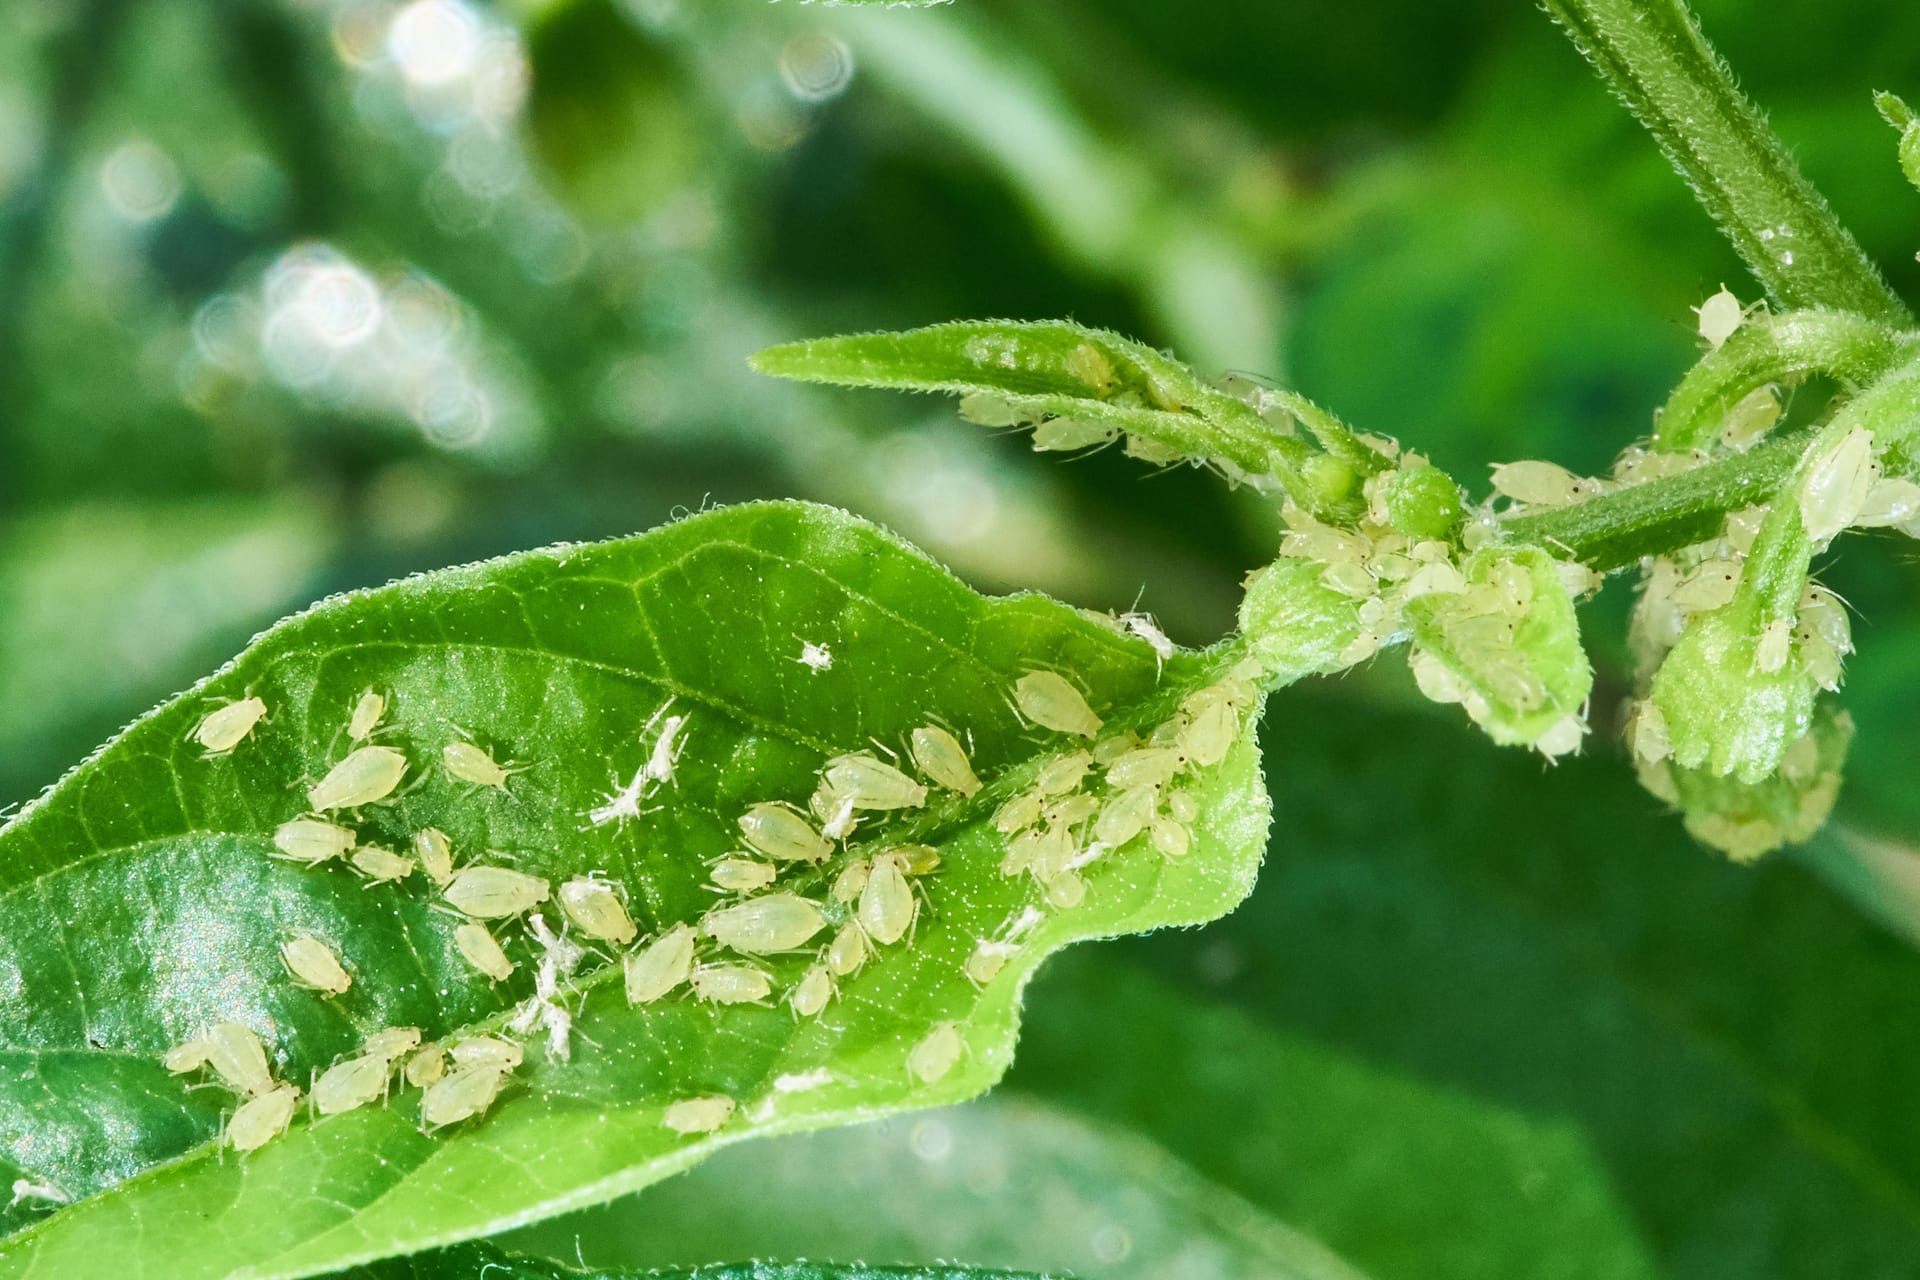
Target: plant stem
column 1651, row 53
column 1615, row 530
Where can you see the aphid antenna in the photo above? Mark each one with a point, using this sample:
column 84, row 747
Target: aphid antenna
column 886, row 750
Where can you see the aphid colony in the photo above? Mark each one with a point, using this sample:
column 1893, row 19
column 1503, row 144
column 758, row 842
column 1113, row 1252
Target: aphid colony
column 1082, row 803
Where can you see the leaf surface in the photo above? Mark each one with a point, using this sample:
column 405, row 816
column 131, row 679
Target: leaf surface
column 139, row 903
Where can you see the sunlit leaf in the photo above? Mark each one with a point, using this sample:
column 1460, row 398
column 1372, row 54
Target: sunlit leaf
column 139, row 903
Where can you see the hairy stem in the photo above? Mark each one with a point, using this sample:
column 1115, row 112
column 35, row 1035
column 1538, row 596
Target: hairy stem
column 1651, row 53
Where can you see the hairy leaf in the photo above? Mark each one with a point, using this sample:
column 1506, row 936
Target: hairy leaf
column 489, row 1263
column 139, row 902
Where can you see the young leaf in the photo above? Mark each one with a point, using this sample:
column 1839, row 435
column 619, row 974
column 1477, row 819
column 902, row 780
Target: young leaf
column 140, row 902
column 1087, row 386
column 489, row 1263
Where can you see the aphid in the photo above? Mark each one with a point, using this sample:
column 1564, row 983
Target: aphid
column 771, row 922
column 802, row 1081
column 1770, row 654
column 1168, row 836
column 1019, row 813
column 1836, row 487
column 811, row 993
column 1647, row 734
column 1063, row 433
column 1743, row 526
column 1066, row 890
column 1113, row 746
column 1751, row 417
column 1720, row 316
column 1211, row 731
column 941, row 757
column 1183, row 807
column 742, row 875
column 367, row 775
column 1438, row 579
column 311, row 841
column 848, row 950
column 887, row 903
column 596, row 908
column 730, row 984
column 698, row 1115
column 487, row 1051
column 392, row 1042
column 426, row 1066
column 435, row 852
column 1892, row 501
column 1046, row 698
column 489, row 893
column 236, row 1056
column 1141, row 625
column 780, row 832
column 461, row 1094
column 625, row 803
column 381, row 866
column 1562, row 736
column 1145, row 767
column 660, row 966
column 871, row 783
column 25, row 1189
column 937, row 1053
column 482, row 950
column 350, row 1084
column 227, row 727
column 837, row 812
column 314, row 965
column 1125, row 815
column 1062, row 773
column 851, row 880
column 815, row 657
column 1709, row 586
column 1090, row 364
column 188, row 1055
column 465, row 762
column 918, row 859
column 1540, row 484
column 366, row 714
column 262, row 1119
column 1068, row 811
column 987, row 960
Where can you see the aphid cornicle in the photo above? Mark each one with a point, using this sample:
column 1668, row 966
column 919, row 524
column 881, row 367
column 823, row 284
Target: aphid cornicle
column 742, row 875
column 366, row 776
column 311, row 841
column 595, row 907
column 660, row 966
column 435, row 851
column 263, row 1118
column 227, row 727
column 313, row 964
column 936, row 1054
column 941, row 757
column 812, row 992
column 236, row 1056
column 461, row 1094
column 698, row 1115
column 730, row 984
column 871, row 783
column 771, row 922
column 482, row 950
column 366, row 716
column 887, row 903
column 465, row 762
column 381, row 866
column 780, row 832
column 1046, row 699
column 491, row 893
column 348, row 1085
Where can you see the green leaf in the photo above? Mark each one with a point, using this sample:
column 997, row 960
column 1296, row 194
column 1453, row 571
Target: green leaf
column 139, row 903
column 1651, row 53
column 464, row 1262
column 1091, row 385
column 1104, row 1202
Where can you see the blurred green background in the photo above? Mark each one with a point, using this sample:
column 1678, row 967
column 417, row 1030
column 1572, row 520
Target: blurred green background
column 298, row 297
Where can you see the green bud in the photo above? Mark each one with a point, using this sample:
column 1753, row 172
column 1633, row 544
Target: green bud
column 1332, row 478
column 1420, row 501
column 1898, row 114
column 1507, row 649
column 1745, row 820
column 1294, row 623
